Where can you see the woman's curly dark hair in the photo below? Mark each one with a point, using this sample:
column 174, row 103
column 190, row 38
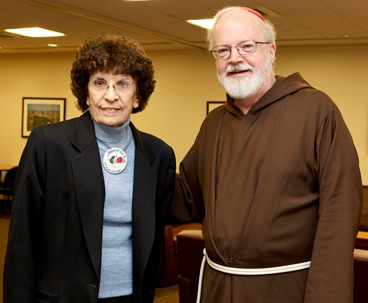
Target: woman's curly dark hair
column 112, row 54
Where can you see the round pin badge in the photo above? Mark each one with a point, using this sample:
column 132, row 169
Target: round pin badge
column 115, row 160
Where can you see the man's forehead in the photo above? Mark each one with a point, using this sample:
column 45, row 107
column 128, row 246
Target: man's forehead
column 237, row 19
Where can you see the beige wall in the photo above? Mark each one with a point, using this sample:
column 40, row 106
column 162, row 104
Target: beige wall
column 185, row 81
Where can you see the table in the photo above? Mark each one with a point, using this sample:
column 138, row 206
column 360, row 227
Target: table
column 363, row 235
column 362, row 240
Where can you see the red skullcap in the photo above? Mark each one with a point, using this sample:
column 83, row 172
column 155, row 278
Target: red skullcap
column 254, row 12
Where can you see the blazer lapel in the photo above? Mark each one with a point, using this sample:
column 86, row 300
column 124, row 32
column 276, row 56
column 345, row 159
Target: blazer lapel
column 89, row 186
column 144, row 207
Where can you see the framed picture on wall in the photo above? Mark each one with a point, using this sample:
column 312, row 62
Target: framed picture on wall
column 41, row 111
column 212, row 105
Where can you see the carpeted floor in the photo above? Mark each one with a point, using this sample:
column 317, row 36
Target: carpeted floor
column 163, row 294
column 167, row 294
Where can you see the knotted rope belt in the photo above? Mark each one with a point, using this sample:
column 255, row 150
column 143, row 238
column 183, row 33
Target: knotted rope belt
column 245, row 271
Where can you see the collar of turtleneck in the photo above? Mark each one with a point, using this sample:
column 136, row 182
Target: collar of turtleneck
column 110, row 134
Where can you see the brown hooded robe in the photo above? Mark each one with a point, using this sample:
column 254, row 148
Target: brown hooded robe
column 276, row 186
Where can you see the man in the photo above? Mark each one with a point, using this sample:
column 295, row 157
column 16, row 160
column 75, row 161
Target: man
column 275, row 177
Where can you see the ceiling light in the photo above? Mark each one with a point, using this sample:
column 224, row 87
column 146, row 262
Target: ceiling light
column 34, row 32
column 52, row 45
column 205, row 23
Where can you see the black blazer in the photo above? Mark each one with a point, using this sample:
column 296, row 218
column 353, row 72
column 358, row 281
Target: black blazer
column 54, row 246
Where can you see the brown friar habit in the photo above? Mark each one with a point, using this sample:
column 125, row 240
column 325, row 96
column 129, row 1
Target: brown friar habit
column 279, row 185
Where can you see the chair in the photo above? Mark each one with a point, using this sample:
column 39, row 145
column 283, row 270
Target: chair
column 168, row 269
column 360, row 276
column 7, row 188
column 190, row 254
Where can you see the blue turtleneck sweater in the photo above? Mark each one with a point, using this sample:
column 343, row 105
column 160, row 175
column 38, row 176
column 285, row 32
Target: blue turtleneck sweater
column 117, row 262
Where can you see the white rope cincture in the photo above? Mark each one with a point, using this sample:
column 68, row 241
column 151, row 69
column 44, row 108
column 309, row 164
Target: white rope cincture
column 200, row 280
column 246, row 271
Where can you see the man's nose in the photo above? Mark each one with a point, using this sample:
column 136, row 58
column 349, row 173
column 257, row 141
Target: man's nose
column 234, row 55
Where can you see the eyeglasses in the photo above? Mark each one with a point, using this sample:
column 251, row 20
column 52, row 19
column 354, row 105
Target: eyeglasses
column 244, row 48
column 101, row 85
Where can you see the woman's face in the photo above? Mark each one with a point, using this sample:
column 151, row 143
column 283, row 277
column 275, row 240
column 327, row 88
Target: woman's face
column 111, row 98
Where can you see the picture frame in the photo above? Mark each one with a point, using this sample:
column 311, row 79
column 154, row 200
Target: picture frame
column 212, row 105
column 41, row 111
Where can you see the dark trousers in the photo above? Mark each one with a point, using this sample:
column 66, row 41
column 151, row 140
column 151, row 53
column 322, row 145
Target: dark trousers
column 124, row 299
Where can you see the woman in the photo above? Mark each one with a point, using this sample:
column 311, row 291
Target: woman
column 93, row 193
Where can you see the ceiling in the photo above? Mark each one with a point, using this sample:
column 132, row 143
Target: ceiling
column 160, row 24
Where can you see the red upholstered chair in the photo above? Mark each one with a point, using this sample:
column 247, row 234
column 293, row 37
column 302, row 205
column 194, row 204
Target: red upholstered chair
column 168, row 269
column 190, row 245
column 360, row 276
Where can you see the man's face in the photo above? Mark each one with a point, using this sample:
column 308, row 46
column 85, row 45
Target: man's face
column 243, row 75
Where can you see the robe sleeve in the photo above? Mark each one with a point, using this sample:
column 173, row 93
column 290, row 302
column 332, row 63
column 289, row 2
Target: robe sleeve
column 188, row 198
column 331, row 273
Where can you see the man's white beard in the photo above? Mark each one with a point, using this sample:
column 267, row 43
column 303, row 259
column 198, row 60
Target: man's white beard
column 248, row 85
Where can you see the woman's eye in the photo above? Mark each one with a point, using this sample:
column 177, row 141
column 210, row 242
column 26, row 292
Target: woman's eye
column 100, row 83
column 123, row 84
